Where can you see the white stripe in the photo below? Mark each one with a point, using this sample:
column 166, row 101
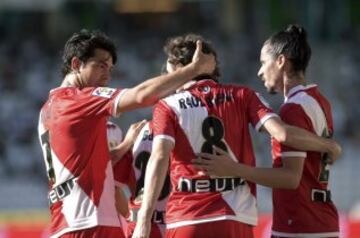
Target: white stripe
column 164, row 137
column 293, row 154
column 264, row 119
column 242, row 219
column 116, row 103
column 306, row 235
column 312, row 109
column 243, row 203
column 189, row 119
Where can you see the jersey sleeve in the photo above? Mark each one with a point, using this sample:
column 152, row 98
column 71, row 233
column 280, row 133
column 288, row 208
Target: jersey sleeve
column 102, row 101
column 258, row 110
column 294, row 115
column 164, row 122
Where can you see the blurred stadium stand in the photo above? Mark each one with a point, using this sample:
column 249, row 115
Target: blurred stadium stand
column 32, row 34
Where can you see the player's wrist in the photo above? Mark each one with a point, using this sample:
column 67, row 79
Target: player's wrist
column 193, row 69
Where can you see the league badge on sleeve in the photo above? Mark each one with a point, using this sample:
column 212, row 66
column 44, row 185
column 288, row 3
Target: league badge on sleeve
column 104, row 92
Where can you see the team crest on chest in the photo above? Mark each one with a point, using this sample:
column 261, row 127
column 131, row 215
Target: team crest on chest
column 104, row 92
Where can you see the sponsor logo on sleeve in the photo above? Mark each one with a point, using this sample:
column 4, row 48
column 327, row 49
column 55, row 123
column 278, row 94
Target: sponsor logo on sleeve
column 104, row 92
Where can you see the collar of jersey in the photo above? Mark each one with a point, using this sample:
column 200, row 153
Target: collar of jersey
column 58, row 88
column 297, row 89
column 203, row 82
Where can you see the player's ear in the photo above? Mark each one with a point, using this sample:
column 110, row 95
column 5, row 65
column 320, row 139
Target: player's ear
column 75, row 64
column 280, row 61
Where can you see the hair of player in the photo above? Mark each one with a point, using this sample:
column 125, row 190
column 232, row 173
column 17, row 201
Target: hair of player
column 292, row 43
column 180, row 50
column 82, row 45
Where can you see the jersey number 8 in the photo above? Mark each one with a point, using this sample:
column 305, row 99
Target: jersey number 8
column 213, row 132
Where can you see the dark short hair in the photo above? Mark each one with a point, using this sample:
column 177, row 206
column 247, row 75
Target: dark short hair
column 180, row 50
column 292, row 43
column 82, row 44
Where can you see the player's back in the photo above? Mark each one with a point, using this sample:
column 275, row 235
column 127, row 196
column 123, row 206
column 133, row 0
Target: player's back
column 204, row 115
column 307, row 209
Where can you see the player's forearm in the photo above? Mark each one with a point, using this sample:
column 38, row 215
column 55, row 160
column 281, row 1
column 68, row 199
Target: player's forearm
column 270, row 177
column 154, row 181
column 121, row 202
column 302, row 139
column 120, row 150
column 156, row 88
column 296, row 137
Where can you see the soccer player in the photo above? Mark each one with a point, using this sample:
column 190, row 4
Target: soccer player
column 72, row 132
column 302, row 205
column 122, row 159
column 206, row 113
column 141, row 153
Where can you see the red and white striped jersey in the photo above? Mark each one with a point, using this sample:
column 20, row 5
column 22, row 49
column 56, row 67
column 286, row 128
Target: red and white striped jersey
column 208, row 114
column 295, row 213
column 72, row 131
column 140, row 155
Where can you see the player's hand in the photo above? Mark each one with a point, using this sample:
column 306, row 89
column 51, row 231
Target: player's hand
column 142, row 228
column 334, row 152
column 134, row 131
column 218, row 164
column 204, row 63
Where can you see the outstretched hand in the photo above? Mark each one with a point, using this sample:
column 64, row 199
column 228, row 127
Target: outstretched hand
column 218, row 164
column 119, row 151
column 134, row 131
column 204, row 63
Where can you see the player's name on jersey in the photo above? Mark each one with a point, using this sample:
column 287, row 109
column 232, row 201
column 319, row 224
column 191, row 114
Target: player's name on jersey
column 209, row 185
column 210, row 101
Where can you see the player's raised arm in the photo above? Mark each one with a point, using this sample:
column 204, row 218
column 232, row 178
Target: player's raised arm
column 150, row 91
column 154, row 179
column 301, row 139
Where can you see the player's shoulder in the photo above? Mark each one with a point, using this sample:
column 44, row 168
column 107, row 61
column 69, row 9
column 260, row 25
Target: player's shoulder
column 303, row 95
column 96, row 92
column 237, row 88
column 293, row 108
column 102, row 92
column 308, row 99
column 175, row 98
